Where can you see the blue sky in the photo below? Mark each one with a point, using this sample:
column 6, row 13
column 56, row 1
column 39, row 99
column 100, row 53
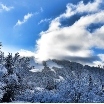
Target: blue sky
column 21, row 35
column 61, row 29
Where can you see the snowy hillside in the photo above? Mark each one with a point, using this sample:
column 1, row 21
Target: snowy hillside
column 53, row 81
column 63, row 81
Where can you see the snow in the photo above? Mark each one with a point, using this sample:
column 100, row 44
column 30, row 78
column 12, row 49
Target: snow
column 39, row 88
column 3, row 70
column 2, row 84
column 53, row 70
column 38, row 66
column 19, row 102
column 12, row 79
column 1, row 93
column 56, row 83
column 61, row 78
column 36, row 70
column 52, row 64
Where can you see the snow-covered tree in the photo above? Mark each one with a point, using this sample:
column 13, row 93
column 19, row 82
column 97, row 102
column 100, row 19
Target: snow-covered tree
column 1, row 55
column 0, row 45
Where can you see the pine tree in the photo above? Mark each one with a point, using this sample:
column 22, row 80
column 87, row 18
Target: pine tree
column 12, row 79
column 0, row 45
column 90, row 83
column 1, row 54
column 9, row 63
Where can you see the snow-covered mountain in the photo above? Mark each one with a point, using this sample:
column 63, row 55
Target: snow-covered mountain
column 58, row 81
column 63, row 81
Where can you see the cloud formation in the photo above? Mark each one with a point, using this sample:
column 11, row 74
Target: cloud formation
column 44, row 20
column 101, row 62
column 25, row 19
column 73, row 42
column 5, row 8
column 26, row 53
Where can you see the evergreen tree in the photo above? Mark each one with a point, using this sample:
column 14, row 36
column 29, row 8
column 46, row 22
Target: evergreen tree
column 1, row 55
column 9, row 64
column 0, row 45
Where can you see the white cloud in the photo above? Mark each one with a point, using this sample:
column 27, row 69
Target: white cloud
column 98, row 38
column 9, row 49
column 75, row 9
column 26, row 53
column 5, row 8
column 25, row 19
column 101, row 62
column 44, row 20
column 13, row 50
column 85, row 21
column 90, row 7
column 73, row 42
column 80, row 8
column 101, row 57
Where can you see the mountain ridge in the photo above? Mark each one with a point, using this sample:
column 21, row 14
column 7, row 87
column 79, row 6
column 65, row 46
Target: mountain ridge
column 67, row 82
column 52, row 81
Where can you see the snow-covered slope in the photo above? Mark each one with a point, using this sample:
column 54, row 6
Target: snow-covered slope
column 63, row 81
column 57, row 81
